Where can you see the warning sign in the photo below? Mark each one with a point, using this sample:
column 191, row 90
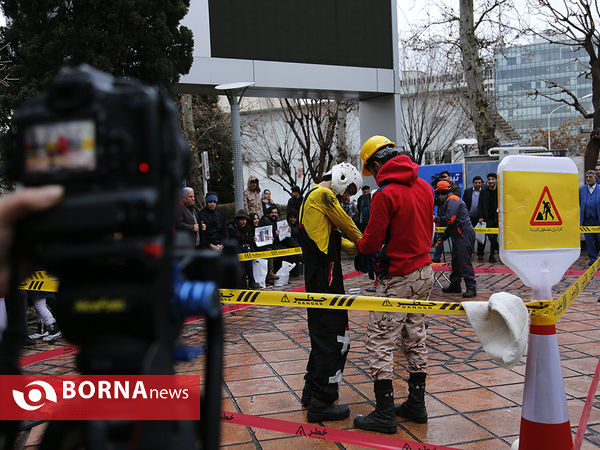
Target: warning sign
column 540, row 210
column 545, row 213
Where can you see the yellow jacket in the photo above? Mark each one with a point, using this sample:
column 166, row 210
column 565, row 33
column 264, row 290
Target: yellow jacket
column 320, row 210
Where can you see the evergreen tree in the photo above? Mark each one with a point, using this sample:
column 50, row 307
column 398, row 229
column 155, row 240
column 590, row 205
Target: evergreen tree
column 137, row 38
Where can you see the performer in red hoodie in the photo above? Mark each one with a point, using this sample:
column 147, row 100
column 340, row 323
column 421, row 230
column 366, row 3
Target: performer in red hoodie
column 402, row 219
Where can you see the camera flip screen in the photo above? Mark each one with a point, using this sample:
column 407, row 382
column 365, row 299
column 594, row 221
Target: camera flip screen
column 60, row 147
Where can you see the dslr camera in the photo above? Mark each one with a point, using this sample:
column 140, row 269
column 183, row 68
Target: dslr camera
column 115, row 146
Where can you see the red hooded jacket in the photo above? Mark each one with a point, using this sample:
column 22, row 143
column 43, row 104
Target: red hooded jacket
column 402, row 206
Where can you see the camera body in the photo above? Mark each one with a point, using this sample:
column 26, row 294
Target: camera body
column 114, row 145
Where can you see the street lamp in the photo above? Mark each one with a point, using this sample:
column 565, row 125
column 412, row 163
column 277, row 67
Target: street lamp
column 235, row 92
column 550, row 115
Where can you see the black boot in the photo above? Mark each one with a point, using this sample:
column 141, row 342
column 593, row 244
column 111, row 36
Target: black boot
column 382, row 419
column 452, row 289
column 414, row 407
column 306, row 395
column 320, row 411
column 470, row 292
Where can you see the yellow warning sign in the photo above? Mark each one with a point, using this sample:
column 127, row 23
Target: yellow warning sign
column 540, row 210
column 545, row 213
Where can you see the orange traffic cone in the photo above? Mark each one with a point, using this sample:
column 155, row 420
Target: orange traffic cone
column 544, row 417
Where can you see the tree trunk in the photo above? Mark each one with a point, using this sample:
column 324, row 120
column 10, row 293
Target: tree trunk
column 194, row 174
column 593, row 147
column 342, row 148
column 485, row 130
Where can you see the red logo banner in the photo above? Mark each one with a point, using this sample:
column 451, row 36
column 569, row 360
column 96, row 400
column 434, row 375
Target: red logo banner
column 97, row 397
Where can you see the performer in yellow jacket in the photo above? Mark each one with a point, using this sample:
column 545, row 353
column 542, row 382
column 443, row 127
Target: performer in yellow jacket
column 321, row 222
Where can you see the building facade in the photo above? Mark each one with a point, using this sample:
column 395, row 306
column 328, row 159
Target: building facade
column 522, row 69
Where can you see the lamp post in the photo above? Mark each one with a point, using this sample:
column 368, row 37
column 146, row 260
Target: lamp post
column 234, row 93
column 550, row 115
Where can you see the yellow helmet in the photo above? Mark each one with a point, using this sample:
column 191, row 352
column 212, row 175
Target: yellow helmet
column 373, row 144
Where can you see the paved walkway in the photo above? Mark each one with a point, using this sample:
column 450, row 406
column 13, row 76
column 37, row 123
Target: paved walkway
column 473, row 403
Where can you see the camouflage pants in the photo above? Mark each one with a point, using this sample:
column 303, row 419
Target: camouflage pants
column 385, row 328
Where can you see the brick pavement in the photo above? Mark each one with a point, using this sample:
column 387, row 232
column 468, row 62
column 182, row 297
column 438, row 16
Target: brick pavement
column 473, row 403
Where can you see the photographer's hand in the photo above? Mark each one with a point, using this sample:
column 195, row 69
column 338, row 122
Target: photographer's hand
column 13, row 206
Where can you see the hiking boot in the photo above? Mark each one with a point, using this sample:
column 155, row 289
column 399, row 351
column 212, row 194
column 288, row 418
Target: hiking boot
column 470, row 292
column 320, row 411
column 41, row 331
column 306, row 395
column 271, row 276
column 254, row 285
column 452, row 289
column 414, row 408
column 53, row 334
column 492, row 259
column 383, row 419
column 28, row 341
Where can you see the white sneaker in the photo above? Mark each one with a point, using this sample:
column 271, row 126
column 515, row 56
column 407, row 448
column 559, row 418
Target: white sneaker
column 41, row 331
column 53, row 333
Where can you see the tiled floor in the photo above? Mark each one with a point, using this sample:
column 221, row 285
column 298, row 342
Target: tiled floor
column 472, row 402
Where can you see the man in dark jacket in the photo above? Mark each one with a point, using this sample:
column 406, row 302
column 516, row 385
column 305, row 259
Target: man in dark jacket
column 401, row 218
column 188, row 220
column 363, row 208
column 454, row 189
column 458, row 226
column 295, row 200
column 488, row 211
column 240, row 230
column 471, row 198
column 216, row 226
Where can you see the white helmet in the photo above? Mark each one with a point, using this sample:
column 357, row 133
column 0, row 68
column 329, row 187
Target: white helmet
column 342, row 176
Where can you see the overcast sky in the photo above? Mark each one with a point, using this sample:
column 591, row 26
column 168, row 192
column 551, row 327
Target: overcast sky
column 412, row 12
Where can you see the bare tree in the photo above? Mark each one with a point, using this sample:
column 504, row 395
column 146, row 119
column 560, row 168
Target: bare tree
column 569, row 136
column 273, row 149
column 473, row 67
column 345, row 108
column 298, row 139
column 433, row 116
column 469, row 37
column 573, row 23
column 314, row 124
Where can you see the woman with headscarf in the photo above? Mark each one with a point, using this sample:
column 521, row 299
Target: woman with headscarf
column 252, row 198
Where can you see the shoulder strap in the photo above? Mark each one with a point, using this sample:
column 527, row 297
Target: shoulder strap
column 301, row 213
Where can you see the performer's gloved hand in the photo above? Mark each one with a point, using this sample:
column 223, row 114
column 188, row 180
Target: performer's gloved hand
column 364, row 264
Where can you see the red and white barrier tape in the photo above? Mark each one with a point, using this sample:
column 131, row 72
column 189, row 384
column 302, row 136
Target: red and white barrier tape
column 585, row 415
column 327, row 433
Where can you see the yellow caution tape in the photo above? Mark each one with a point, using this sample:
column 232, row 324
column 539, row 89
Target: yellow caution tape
column 585, row 229
column 477, row 230
column 542, row 312
column 270, row 253
column 356, row 303
column 337, row 301
column 562, row 303
column 40, row 281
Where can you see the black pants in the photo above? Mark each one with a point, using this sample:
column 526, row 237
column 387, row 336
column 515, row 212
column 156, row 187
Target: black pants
column 462, row 249
column 328, row 328
column 493, row 243
column 328, row 353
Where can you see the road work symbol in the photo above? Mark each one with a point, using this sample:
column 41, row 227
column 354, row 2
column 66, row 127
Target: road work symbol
column 545, row 213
